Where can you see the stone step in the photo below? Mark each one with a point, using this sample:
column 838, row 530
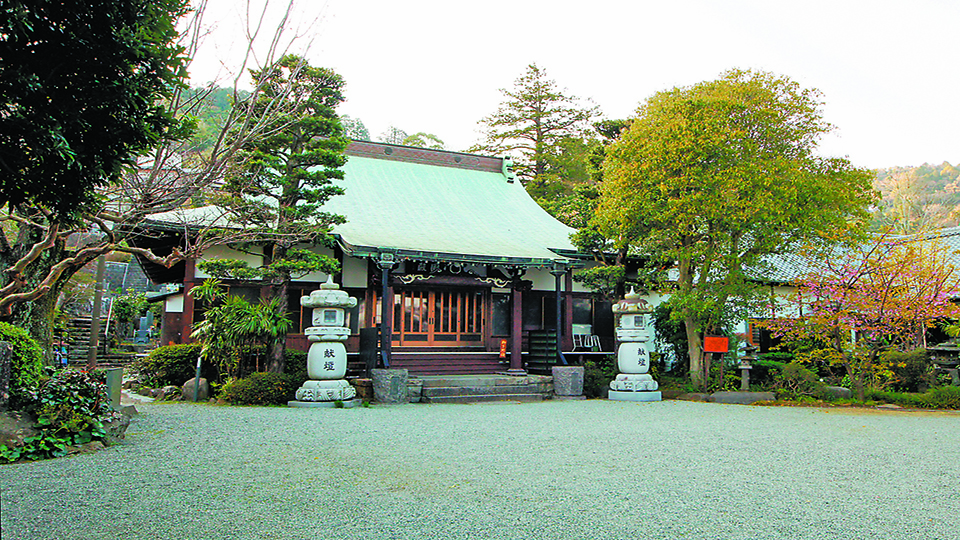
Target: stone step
column 441, row 391
column 483, row 380
column 526, row 398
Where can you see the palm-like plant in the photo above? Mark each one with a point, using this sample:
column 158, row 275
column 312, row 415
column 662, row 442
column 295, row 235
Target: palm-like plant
column 233, row 324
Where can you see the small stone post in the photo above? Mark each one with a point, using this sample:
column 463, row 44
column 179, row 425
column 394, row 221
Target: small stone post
column 745, row 367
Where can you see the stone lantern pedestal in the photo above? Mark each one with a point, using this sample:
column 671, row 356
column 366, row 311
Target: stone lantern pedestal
column 327, row 357
column 634, row 382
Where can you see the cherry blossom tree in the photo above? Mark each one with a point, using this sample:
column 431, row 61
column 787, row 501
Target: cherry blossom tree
column 880, row 295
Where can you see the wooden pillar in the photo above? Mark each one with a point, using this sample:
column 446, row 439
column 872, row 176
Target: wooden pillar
column 516, row 331
column 568, row 311
column 386, row 308
column 559, row 270
column 339, row 256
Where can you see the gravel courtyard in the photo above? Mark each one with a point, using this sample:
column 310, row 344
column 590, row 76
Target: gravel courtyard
column 557, row 470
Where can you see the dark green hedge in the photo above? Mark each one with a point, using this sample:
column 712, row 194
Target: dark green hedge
column 27, row 365
column 173, row 365
column 261, row 389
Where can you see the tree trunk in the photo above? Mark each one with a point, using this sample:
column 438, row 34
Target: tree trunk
column 275, row 361
column 695, row 348
column 278, row 289
column 37, row 318
column 857, row 382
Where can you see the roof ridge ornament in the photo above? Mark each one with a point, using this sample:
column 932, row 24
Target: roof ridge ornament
column 507, row 169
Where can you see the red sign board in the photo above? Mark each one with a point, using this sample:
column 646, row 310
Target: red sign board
column 503, row 348
column 718, row 344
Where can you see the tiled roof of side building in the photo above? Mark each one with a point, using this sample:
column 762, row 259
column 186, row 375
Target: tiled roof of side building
column 787, row 267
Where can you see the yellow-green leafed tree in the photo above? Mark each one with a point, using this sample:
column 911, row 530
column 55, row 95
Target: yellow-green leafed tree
column 709, row 179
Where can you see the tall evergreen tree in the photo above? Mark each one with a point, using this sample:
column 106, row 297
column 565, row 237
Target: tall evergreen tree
column 287, row 176
column 80, row 89
column 354, row 128
column 534, row 119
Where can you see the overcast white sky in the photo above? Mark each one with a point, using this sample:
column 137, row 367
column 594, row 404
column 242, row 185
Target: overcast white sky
column 889, row 71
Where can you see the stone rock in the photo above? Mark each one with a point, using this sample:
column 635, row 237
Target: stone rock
column 390, row 385
column 837, row 392
column 364, row 388
column 16, row 426
column 168, row 393
column 567, row 380
column 116, row 429
column 414, row 390
column 91, row 447
column 741, row 398
column 128, row 410
column 190, row 386
column 672, row 393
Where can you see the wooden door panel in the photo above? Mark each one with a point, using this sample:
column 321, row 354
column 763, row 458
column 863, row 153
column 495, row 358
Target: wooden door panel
column 438, row 318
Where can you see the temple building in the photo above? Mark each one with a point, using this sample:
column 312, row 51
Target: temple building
column 466, row 265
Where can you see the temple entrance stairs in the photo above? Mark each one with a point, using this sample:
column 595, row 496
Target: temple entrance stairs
column 481, row 388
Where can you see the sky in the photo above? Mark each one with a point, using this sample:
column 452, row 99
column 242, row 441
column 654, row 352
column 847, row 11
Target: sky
column 887, row 70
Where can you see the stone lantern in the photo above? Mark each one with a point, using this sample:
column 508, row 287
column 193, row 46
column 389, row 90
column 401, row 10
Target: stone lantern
column 634, row 382
column 327, row 357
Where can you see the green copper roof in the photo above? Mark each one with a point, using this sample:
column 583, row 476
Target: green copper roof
column 434, row 211
column 427, row 204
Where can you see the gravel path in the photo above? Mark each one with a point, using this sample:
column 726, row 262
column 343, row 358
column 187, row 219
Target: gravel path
column 557, row 470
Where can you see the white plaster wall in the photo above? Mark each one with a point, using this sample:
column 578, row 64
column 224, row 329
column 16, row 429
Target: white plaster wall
column 542, row 279
column 173, row 304
column 355, row 272
column 655, row 298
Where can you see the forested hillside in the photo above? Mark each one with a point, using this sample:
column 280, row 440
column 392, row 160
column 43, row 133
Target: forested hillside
column 210, row 115
column 918, row 198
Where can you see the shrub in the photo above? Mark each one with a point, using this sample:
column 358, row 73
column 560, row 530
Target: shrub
column 944, row 397
column 915, row 401
column 27, row 362
column 912, row 369
column 261, row 389
column 672, row 333
column 764, row 372
column 71, row 408
column 174, row 365
column 795, row 380
column 295, row 363
column 597, row 376
column 782, row 357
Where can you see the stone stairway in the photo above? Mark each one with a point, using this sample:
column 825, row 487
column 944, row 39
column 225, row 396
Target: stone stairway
column 78, row 346
column 479, row 388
